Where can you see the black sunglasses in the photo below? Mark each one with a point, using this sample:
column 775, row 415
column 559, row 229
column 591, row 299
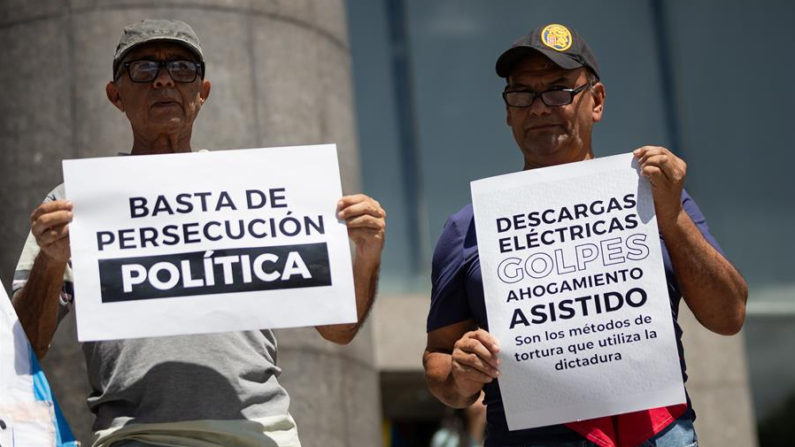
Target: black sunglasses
column 179, row 70
column 552, row 98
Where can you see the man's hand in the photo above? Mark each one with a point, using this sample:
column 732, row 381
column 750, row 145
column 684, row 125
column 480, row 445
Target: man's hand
column 666, row 172
column 713, row 289
column 475, row 361
column 459, row 360
column 49, row 224
column 366, row 222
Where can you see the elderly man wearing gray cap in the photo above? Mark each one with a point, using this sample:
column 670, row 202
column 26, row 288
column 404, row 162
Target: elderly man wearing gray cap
column 553, row 98
column 215, row 390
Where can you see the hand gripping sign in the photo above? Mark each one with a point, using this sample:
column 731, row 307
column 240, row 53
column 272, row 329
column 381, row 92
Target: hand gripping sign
column 576, row 293
column 208, row 242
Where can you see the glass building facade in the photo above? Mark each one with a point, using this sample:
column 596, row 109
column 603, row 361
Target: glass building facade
column 709, row 80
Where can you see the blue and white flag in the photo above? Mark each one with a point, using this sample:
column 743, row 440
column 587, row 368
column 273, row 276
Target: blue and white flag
column 29, row 415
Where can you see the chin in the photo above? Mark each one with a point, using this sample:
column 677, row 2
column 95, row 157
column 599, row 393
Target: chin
column 169, row 126
column 543, row 151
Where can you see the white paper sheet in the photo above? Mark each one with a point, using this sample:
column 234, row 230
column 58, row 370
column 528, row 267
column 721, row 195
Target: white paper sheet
column 28, row 422
column 208, row 242
column 576, row 293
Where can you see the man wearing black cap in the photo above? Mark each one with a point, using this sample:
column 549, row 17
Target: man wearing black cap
column 553, row 98
column 216, row 390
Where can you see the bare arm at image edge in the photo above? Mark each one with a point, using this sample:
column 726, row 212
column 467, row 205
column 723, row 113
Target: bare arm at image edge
column 37, row 302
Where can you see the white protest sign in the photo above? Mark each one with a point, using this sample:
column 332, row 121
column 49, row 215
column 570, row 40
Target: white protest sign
column 208, row 242
column 576, row 293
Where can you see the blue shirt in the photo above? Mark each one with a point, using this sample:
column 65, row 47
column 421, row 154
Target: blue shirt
column 457, row 295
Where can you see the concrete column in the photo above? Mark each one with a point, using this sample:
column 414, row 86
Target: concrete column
column 281, row 75
column 718, row 385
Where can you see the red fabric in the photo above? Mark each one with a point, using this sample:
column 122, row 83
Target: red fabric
column 630, row 429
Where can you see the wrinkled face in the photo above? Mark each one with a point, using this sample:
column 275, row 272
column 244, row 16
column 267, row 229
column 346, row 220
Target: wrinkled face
column 162, row 106
column 553, row 135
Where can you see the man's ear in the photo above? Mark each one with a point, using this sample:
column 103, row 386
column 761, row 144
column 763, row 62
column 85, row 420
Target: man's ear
column 113, row 95
column 599, row 95
column 205, row 93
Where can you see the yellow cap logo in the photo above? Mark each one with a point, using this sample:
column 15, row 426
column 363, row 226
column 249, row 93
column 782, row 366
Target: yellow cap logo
column 557, row 37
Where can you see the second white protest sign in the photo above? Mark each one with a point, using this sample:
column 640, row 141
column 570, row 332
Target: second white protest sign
column 208, row 242
column 576, row 293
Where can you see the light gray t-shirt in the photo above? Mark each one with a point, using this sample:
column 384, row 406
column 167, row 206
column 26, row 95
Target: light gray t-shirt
column 223, row 376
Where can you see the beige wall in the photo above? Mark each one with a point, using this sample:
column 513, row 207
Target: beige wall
column 281, row 76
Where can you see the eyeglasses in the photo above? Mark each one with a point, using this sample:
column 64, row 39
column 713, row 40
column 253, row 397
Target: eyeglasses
column 147, row 71
column 552, row 98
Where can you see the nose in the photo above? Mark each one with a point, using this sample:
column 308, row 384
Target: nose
column 163, row 78
column 538, row 107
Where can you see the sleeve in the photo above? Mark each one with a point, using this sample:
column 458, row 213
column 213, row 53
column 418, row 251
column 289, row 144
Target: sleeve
column 691, row 208
column 28, row 257
column 449, row 302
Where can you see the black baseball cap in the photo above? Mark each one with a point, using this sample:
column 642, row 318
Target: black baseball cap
column 564, row 46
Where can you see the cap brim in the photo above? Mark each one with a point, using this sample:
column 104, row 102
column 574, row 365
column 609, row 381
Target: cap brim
column 510, row 57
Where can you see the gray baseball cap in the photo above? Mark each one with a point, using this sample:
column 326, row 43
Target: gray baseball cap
column 151, row 30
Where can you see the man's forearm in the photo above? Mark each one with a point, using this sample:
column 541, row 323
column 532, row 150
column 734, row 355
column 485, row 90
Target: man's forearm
column 439, row 376
column 37, row 303
column 713, row 289
column 365, row 280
